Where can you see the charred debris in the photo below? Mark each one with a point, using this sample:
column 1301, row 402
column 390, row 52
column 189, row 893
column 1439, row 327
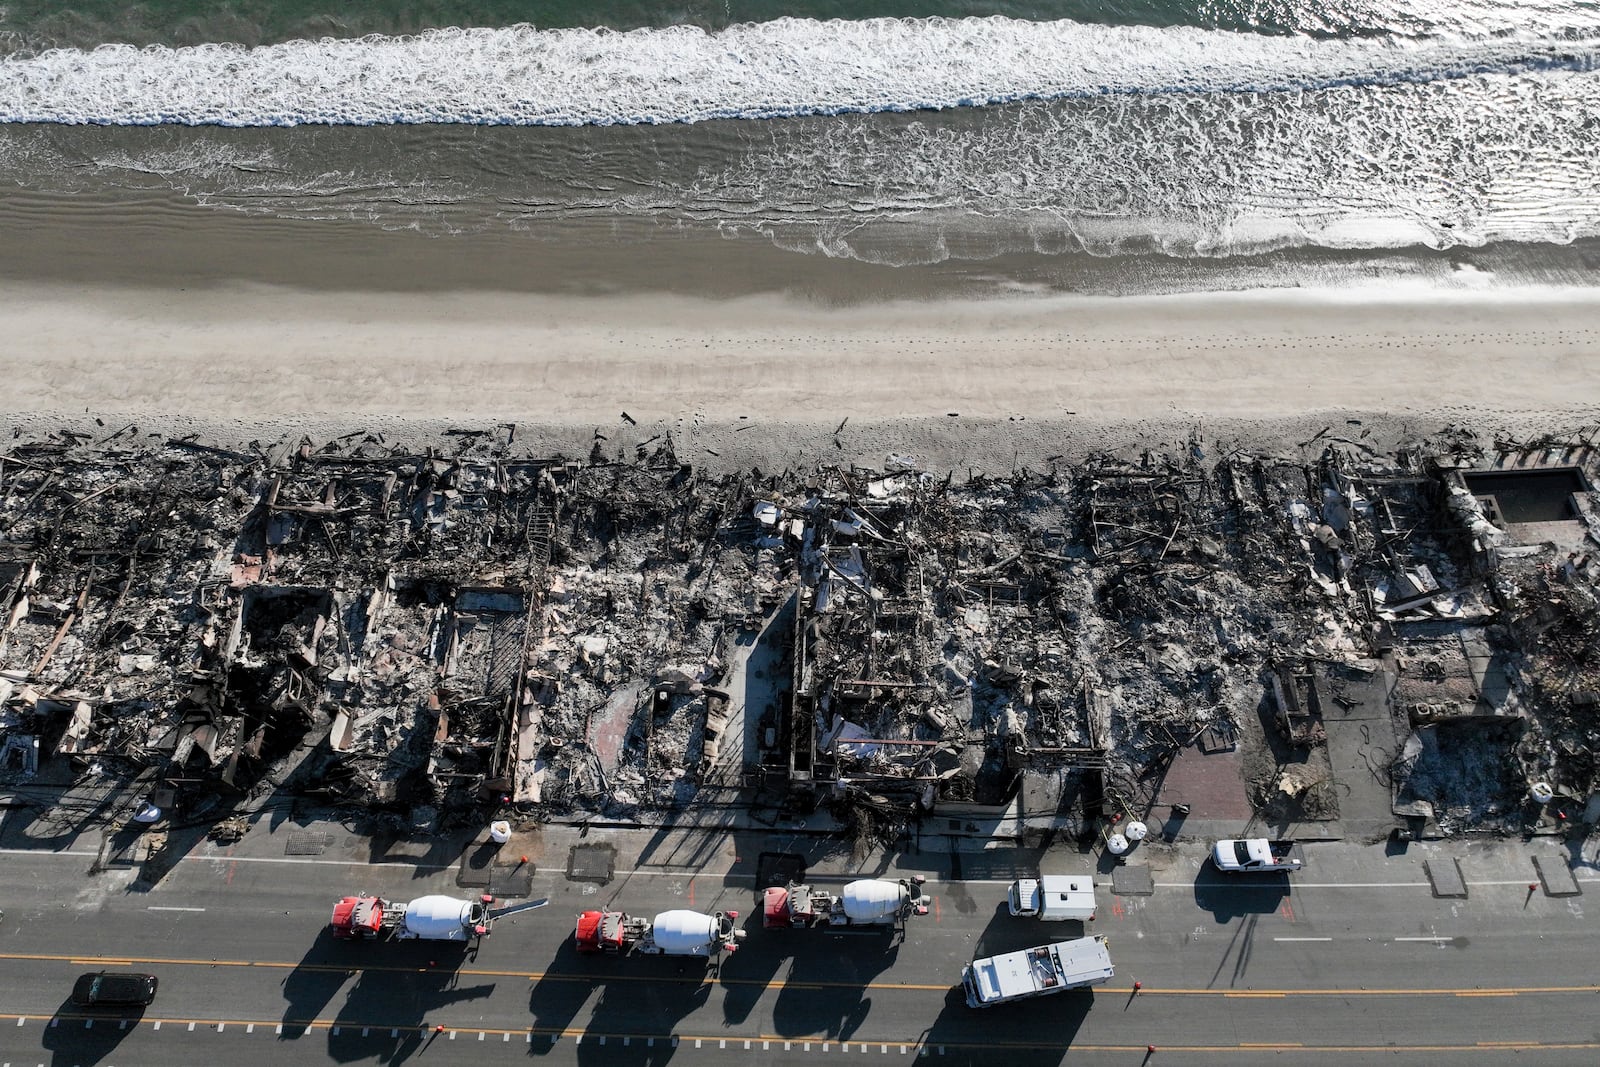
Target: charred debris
column 430, row 633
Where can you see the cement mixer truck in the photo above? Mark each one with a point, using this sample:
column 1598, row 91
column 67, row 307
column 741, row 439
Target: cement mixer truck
column 432, row 918
column 671, row 933
column 867, row 902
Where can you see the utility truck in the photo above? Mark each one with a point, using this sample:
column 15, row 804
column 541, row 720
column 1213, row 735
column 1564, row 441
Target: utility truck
column 1053, row 897
column 671, row 933
column 1037, row 972
column 1238, row 855
column 871, row 903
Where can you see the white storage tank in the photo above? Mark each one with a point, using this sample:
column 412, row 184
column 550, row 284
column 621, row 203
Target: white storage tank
column 873, row 900
column 441, row 918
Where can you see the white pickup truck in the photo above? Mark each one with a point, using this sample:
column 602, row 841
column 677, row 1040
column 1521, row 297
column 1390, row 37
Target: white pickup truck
column 1053, row 897
column 1238, row 855
column 1035, row 972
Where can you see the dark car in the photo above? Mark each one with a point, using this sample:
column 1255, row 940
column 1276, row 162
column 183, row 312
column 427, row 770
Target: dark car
column 114, row 988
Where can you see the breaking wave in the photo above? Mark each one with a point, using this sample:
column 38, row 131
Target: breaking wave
column 785, row 68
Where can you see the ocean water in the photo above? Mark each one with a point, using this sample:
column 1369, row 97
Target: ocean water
column 890, row 132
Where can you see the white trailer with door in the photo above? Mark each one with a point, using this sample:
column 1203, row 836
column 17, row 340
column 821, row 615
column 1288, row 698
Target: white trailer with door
column 1053, row 897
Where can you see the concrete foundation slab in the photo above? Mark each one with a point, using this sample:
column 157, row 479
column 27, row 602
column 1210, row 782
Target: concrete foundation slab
column 592, row 863
column 1132, row 880
column 1556, row 877
column 779, row 868
column 1444, row 874
column 477, row 865
column 512, row 879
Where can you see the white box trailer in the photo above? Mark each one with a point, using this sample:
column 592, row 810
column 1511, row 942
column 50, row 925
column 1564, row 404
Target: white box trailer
column 1053, row 897
column 1037, row 972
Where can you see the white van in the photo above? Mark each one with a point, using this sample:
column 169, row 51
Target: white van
column 1054, row 897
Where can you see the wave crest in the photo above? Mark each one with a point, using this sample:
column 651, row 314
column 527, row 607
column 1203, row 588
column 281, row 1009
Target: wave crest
column 786, row 68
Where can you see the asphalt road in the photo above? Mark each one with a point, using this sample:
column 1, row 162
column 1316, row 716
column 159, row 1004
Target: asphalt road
column 1327, row 971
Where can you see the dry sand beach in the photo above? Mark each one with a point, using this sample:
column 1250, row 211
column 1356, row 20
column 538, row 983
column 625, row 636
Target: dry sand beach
column 238, row 323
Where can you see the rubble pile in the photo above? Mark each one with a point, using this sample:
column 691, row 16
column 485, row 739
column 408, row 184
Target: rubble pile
column 425, row 631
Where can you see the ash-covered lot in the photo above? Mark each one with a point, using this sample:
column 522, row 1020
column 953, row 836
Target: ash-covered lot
column 421, row 636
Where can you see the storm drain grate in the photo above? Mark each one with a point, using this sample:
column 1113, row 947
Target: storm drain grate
column 307, row 844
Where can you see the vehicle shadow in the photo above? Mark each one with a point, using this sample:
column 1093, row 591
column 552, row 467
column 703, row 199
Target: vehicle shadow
column 324, row 969
column 87, row 1036
column 1026, row 1033
column 1231, row 896
column 1011, row 933
column 747, row 974
column 825, row 992
column 1246, row 896
column 558, row 996
column 414, row 979
column 642, row 1000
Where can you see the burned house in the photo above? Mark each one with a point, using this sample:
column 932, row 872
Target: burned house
column 424, row 631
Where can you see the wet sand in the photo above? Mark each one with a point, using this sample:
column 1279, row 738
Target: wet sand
column 158, row 309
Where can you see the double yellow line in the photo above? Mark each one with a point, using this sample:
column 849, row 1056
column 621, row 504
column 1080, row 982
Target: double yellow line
column 776, row 983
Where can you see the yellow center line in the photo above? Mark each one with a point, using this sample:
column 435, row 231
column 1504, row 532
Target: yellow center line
column 359, row 966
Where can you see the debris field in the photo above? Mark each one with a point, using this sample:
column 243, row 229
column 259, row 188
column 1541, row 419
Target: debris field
column 429, row 633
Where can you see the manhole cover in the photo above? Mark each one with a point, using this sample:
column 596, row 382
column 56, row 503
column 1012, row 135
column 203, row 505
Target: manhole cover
column 591, row 863
column 307, row 844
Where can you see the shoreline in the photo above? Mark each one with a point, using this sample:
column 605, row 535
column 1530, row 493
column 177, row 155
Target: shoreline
column 246, row 327
column 249, row 352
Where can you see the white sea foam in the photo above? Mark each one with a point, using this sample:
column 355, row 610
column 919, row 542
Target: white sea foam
column 789, row 67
